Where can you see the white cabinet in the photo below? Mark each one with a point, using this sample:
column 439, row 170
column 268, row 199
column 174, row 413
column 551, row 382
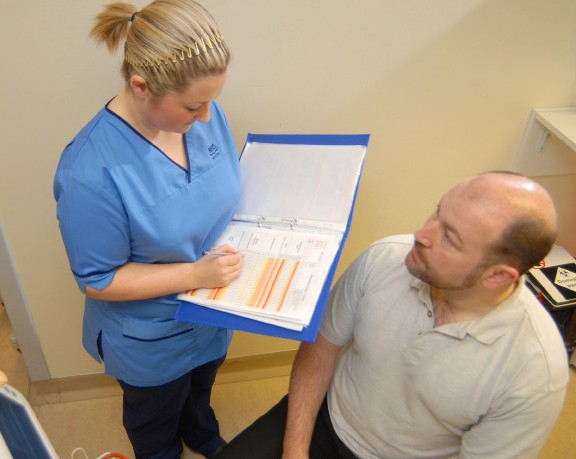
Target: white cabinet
column 549, row 143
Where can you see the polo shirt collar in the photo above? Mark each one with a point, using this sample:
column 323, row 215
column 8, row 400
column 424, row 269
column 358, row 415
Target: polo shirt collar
column 485, row 329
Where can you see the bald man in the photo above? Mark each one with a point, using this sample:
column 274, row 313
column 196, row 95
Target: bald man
column 431, row 345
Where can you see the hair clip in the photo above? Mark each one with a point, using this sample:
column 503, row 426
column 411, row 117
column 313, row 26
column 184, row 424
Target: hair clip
column 197, row 48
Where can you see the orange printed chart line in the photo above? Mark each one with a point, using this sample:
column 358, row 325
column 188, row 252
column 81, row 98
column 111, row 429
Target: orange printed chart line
column 263, row 286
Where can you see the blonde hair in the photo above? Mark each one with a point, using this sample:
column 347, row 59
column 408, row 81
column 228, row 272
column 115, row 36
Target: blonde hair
column 168, row 42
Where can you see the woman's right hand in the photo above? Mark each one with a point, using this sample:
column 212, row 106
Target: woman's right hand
column 136, row 281
column 219, row 270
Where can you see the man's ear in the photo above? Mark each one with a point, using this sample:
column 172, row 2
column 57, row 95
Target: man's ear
column 500, row 275
column 139, row 87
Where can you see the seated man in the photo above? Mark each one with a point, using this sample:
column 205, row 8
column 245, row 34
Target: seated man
column 431, row 346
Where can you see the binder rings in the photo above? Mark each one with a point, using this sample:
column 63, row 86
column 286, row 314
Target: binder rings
column 298, row 199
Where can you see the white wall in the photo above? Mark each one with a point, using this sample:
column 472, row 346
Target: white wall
column 444, row 87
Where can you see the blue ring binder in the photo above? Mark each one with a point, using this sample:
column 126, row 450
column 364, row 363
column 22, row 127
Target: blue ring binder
column 190, row 312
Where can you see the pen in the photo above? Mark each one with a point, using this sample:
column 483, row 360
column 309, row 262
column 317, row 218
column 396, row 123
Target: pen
column 217, row 253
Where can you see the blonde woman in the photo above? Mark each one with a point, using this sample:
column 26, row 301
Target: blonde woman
column 142, row 190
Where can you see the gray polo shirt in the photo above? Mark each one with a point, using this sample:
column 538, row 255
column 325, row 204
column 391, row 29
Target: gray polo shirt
column 488, row 388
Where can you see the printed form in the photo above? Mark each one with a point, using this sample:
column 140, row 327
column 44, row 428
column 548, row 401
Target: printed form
column 282, row 275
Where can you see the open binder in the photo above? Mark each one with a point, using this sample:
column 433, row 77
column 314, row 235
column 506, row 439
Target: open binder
column 291, row 226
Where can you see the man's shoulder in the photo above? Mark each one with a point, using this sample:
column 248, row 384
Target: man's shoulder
column 400, row 240
column 390, row 246
column 547, row 339
column 385, row 257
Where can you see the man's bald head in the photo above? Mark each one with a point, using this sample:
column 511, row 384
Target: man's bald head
column 527, row 211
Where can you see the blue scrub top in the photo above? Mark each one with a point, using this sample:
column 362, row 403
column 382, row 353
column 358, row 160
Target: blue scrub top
column 120, row 199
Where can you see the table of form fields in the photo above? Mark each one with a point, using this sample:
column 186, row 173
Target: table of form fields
column 279, row 271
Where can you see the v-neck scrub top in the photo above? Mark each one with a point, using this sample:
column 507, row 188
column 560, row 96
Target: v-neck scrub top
column 120, row 199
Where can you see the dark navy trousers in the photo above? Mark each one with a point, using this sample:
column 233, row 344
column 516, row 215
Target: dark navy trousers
column 157, row 419
column 264, row 438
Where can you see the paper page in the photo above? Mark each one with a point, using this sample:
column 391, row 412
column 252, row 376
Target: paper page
column 303, row 182
column 282, row 274
column 267, row 320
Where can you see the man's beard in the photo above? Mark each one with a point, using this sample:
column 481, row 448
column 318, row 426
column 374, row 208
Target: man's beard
column 429, row 276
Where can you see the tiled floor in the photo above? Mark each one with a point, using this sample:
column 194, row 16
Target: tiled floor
column 87, row 415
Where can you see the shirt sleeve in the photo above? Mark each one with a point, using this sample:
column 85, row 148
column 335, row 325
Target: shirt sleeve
column 94, row 227
column 338, row 321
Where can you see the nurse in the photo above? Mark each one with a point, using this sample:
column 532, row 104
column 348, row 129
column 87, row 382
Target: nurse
column 142, row 190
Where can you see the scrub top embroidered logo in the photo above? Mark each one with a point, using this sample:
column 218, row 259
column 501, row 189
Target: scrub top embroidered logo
column 213, row 151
